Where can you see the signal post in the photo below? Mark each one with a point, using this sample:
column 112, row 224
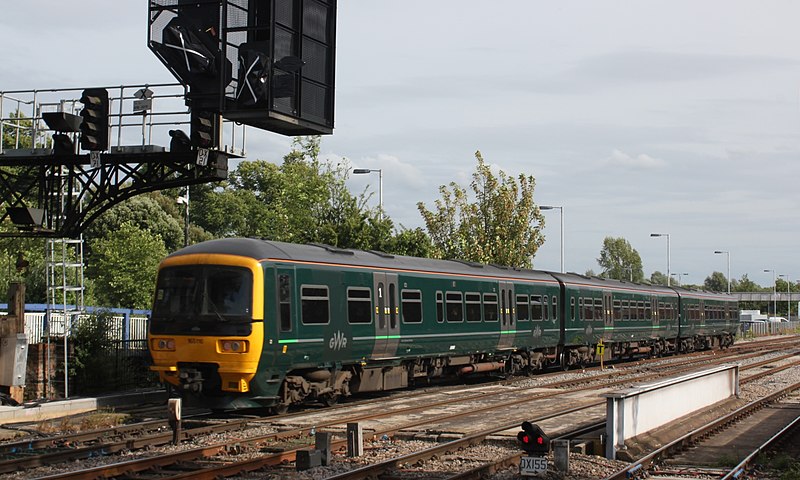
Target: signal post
column 537, row 445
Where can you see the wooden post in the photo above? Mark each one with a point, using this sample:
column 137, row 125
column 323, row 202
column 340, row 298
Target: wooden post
column 11, row 325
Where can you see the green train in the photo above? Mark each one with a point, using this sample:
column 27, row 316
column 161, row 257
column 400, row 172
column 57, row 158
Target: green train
column 242, row 323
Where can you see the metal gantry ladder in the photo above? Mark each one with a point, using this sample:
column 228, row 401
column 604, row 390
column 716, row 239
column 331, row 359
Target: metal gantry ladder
column 65, row 289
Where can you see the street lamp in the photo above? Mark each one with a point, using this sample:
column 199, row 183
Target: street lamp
column 561, row 214
column 664, row 235
column 727, row 254
column 788, row 298
column 679, row 275
column 360, row 171
column 774, row 292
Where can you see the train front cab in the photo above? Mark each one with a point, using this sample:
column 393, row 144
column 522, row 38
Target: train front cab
column 206, row 332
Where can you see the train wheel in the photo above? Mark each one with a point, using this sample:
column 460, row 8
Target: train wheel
column 280, row 409
column 330, row 399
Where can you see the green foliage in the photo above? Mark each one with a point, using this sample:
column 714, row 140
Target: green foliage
column 501, row 225
column 414, row 243
column 716, row 282
column 302, row 200
column 28, row 252
column 124, row 265
column 147, row 212
column 658, row 278
column 620, row 260
column 17, row 131
column 93, row 363
column 747, row 285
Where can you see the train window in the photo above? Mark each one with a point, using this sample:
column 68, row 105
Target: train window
column 314, row 304
column 285, row 301
column 412, row 306
column 392, row 306
column 617, row 310
column 640, row 315
column 359, row 305
column 536, row 307
column 522, row 308
column 598, row 309
column 439, row 307
column 490, row 307
column 511, row 308
column 473, row 307
column 648, row 311
column 455, row 307
column 585, row 313
column 555, row 308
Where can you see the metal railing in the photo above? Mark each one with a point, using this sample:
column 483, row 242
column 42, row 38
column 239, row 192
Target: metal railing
column 21, row 114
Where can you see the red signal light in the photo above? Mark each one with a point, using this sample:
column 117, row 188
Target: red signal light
column 532, row 439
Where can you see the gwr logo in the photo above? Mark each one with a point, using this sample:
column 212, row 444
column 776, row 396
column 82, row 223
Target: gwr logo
column 338, row 341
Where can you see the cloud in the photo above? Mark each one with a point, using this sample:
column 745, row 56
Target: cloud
column 639, row 162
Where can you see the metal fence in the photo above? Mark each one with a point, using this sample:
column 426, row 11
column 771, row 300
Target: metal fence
column 762, row 329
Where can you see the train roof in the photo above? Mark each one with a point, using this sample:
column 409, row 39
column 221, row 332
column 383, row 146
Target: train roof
column 574, row 279
column 259, row 249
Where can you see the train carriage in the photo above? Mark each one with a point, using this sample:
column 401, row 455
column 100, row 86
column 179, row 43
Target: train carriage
column 625, row 318
column 317, row 322
column 707, row 319
column 243, row 323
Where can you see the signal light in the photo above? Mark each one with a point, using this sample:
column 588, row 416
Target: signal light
column 205, row 129
column 533, row 440
column 94, row 128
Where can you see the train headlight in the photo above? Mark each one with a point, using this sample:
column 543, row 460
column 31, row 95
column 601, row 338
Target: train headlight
column 234, row 346
column 164, row 344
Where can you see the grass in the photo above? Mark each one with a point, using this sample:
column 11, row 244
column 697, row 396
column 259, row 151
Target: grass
column 80, row 423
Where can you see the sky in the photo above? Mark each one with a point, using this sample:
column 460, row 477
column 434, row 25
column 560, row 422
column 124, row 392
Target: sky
column 636, row 117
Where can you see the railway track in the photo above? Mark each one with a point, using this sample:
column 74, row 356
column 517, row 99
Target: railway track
column 203, row 462
column 689, row 453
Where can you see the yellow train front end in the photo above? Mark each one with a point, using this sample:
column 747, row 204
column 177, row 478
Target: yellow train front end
column 206, row 332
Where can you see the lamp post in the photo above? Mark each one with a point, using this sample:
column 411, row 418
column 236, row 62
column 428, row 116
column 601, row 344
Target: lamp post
column 774, row 292
column 679, row 275
column 361, row 171
column 561, row 214
column 727, row 254
column 788, row 298
column 664, row 235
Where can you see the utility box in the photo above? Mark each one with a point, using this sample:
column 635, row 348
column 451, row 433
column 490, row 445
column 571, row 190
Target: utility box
column 13, row 360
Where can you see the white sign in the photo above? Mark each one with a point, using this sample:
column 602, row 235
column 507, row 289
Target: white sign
column 94, row 159
column 202, row 156
column 532, row 466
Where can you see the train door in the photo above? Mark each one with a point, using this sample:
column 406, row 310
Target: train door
column 387, row 315
column 608, row 312
column 656, row 311
column 508, row 315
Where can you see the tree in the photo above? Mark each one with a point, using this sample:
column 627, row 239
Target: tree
column 619, row 260
column 746, row 285
column 17, row 131
column 501, row 225
column 717, row 282
column 658, row 278
column 147, row 213
column 124, row 265
column 303, row 200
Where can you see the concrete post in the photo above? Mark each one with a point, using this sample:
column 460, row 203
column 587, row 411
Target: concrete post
column 355, row 440
column 561, row 455
column 322, row 442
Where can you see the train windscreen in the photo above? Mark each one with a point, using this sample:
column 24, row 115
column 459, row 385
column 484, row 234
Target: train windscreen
column 203, row 300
